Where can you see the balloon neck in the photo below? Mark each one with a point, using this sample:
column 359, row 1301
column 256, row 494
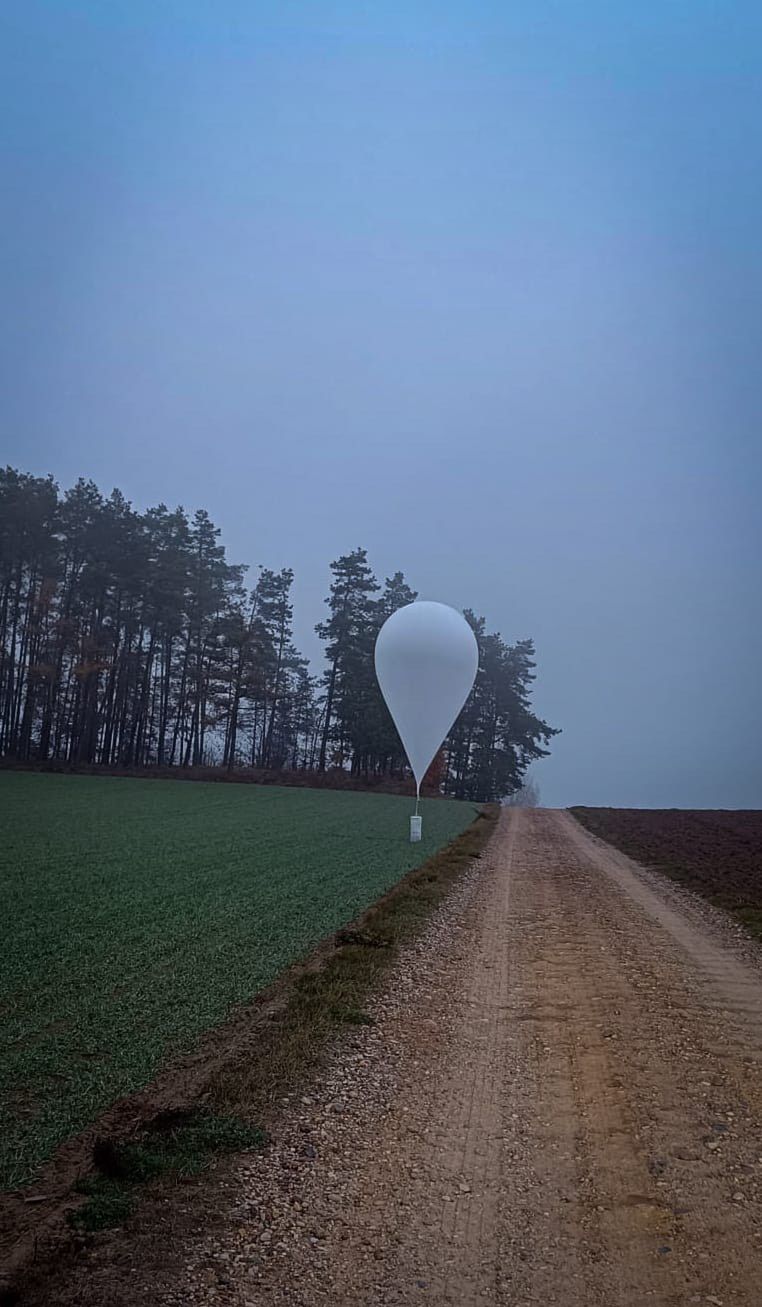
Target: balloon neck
column 417, row 796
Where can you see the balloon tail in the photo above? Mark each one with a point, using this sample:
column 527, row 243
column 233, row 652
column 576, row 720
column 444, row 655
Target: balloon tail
column 417, row 796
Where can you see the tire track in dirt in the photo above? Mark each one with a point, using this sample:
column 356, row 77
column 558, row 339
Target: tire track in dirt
column 560, row 1104
column 468, row 1121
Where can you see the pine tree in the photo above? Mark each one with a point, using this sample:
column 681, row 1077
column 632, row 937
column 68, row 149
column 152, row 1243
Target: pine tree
column 272, row 599
column 376, row 746
column 347, row 634
column 496, row 736
column 28, row 565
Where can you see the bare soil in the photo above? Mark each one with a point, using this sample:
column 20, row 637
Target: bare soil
column 716, row 853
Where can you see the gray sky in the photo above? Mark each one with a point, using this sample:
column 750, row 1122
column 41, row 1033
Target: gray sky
column 476, row 286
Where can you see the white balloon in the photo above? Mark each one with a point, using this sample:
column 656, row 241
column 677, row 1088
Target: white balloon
column 426, row 662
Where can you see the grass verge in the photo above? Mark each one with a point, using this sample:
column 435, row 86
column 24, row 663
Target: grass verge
column 181, row 1144
column 336, row 992
column 330, row 992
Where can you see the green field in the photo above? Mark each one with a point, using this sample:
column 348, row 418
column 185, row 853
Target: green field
column 135, row 913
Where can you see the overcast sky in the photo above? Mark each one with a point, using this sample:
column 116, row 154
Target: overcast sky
column 476, row 286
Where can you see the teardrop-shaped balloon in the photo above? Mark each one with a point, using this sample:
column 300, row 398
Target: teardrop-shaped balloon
column 426, row 662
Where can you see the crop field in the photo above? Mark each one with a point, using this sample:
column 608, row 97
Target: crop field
column 136, row 913
column 716, row 853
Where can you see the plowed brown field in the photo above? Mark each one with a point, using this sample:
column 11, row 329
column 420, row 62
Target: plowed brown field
column 716, row 853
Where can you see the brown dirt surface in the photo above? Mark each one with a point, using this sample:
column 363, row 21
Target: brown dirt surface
column 716, row 853
column 558, row 1103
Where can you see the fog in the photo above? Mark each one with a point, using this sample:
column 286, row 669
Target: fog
column 474, row 286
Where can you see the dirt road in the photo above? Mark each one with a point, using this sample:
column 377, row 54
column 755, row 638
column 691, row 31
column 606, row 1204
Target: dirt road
column 558, row 1104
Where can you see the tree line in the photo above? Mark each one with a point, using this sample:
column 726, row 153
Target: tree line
column 128, row 640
